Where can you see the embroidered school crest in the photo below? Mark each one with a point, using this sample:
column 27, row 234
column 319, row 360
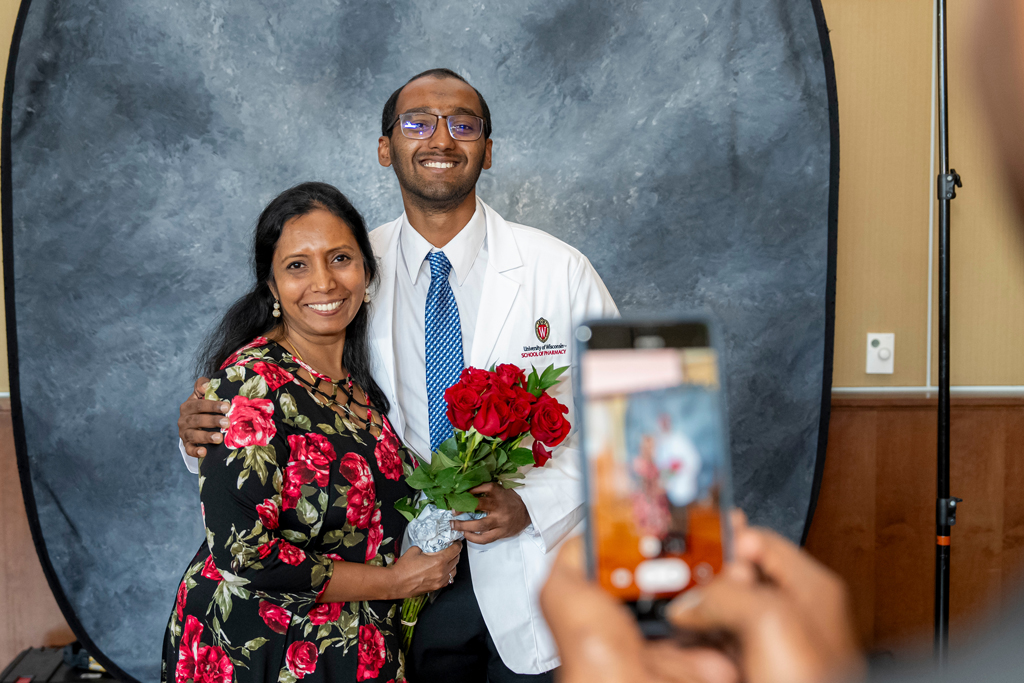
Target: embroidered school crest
column 543, row 329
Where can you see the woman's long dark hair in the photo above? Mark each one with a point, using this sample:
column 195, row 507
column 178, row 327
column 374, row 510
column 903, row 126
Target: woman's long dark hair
column 251, row 316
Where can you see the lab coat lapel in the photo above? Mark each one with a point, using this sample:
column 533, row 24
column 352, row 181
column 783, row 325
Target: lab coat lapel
column 500, row 287
column 382, row 314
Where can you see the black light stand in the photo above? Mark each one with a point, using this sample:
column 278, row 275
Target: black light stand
column 947, row 182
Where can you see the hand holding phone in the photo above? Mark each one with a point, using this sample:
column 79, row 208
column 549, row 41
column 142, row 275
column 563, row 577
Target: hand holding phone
column 656, row 474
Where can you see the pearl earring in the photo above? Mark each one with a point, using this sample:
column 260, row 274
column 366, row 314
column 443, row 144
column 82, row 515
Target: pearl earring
column 366, row 297
column 277, row 310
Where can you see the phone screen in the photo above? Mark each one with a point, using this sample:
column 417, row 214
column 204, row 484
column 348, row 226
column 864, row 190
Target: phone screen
column 656, row 459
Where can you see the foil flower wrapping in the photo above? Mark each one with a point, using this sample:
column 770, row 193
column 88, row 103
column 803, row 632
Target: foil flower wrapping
column 432, row 531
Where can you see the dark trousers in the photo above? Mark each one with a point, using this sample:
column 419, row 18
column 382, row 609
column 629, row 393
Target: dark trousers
column 451, row 642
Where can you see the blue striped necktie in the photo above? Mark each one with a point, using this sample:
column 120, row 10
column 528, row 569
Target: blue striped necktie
column 443, row 345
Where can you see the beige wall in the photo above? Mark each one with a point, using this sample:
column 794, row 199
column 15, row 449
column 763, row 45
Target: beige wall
column 883, row 71
column 8, row 15
column 882, row 50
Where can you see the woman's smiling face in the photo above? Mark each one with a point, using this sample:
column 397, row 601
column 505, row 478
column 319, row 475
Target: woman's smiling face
column 319, row 276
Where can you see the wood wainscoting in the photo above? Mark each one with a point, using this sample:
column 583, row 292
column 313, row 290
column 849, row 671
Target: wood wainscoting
column 29, row 616
column 875, row 520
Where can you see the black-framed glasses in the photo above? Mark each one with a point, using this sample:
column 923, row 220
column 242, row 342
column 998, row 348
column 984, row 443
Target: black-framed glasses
column 421, row 125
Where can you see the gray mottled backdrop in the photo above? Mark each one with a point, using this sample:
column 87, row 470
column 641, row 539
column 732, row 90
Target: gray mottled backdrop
column 683, row 146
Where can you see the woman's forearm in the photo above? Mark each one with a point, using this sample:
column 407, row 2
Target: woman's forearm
column 355, row 582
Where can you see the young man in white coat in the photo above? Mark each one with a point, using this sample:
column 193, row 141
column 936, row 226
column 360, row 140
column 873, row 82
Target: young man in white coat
column 462, row 287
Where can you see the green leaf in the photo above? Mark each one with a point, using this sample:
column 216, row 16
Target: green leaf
column 211, row 390
column 306, row 512
column 408, row 511
column 323, row 631
column 449, row 447
column 255, row 644
column 236, row 373
column 462, row 502
column 294, row 536
column 445, row 479
column 420, row 479
column 521, row 457
column 533, row 383
column 242, row 477
column 334, row 536
column 254, row 387
column 278, row 483
column 353, row 538
column 339, row 426
column 474, row 477
column 318, row 574
column 321, row 500
column 549, row 377
column 303, row 422
column 326, row 428
column 287, row 403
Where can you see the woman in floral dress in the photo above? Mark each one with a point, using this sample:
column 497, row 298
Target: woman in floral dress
column 298, row 576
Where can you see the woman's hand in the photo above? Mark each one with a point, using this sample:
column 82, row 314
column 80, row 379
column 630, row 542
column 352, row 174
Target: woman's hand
column 418, row 572
column 201, row 420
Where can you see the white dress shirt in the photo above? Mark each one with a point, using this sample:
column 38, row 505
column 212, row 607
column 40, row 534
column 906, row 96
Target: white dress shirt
column 467, row 252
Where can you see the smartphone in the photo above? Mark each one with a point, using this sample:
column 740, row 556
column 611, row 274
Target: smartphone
column 653, row 433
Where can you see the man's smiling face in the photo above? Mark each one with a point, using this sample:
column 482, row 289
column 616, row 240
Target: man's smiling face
column 437, row 173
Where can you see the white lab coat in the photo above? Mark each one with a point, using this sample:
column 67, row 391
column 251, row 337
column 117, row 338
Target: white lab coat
column 530, row 276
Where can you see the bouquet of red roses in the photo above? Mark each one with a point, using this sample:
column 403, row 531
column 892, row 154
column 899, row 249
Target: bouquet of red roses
column 492, row 411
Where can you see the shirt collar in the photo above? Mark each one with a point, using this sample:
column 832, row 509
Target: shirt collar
column 461, row 251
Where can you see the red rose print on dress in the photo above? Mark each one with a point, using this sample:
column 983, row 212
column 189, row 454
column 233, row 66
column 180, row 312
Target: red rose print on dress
column 274, row 375
column 267, row 547
column 277, row 618
column 296, row 473
column 316, row 452
column 213, row 666
column 301, row 658
column 289, row 554
column 210, row 569
column 268, row 514
column 179, row 601
column 363, row 494
column 374, row 535
column 252, row 422
column 325, row 613
column 388, row 461
column 188, row 650
column 371, row 652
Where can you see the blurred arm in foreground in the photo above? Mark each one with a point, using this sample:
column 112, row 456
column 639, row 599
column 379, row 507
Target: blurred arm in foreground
column 789, row 615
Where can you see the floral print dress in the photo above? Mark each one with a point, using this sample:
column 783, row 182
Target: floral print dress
column 294, row 487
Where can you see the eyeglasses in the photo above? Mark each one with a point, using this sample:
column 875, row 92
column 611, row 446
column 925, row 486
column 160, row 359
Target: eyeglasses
column 421, row 125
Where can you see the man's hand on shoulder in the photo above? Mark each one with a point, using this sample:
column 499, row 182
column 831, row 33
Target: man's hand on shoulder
column 201, row 420
column 506, row 514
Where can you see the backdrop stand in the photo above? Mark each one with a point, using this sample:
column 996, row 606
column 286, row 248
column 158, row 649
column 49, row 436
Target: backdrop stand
column 947, row 182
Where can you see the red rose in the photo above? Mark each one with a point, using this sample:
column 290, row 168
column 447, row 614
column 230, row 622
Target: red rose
column 213, row 666
column 362, row 497
column 388, row 460
column 296, row 473
column 546, row 423
column 495, row 414
column 210, row 569
column 374, row 535
column 371, row 652
column 268, row 514
column 258, row 341
column 289, row 554
column 277, row 618
column 252, row 422
column 274, row 375
column 510, row 375
column 520, row 403
column 477, row 380
column 301, row 658
column 324, row 613
column 188, row 650
column 314, row 450
column 462, row 404
column 267, row 548
column 540, row 454
column 179, row 601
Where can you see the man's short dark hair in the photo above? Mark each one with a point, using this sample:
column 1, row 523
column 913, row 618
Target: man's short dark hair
column 387, row 119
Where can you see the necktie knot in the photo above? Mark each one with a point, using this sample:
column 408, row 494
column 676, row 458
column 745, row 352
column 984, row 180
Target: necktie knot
column 440, row 266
